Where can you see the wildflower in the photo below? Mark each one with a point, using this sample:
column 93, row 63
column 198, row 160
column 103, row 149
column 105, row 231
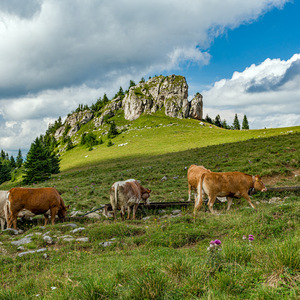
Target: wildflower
column 217, row 242
column 250, row 238
column 53, row 288
column 244, row 237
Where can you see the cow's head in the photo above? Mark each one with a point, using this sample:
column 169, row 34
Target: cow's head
column 258, row 184
column 145, row 196
column 63, row 212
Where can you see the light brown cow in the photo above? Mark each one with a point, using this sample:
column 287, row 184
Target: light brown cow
column 228, row 184
column 124, row 194
column 3, row 208
column 194, row 175
column 36, row 200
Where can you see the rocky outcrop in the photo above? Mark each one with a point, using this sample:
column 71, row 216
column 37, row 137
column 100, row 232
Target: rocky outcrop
column 74, row 122
column 170, row 93
column 109, row 111
column 196, row 107
column 159, row 93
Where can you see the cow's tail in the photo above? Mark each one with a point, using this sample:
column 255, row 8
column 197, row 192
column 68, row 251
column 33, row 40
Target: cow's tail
column 7, row 210
column 199, row 201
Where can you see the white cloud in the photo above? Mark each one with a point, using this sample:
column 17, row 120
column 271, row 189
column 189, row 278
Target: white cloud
column 59, row 53
column 268, row 93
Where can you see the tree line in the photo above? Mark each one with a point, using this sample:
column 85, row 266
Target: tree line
column 223, row 124
column 8, row 165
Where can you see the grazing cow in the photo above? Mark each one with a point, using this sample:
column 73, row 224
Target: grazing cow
column 230, row 185
column 124, row 194
column 3, row 208
column 36, row 200
column 194, row 175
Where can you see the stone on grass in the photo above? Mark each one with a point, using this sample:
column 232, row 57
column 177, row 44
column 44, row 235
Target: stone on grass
column 32, row 251
column 78, row 229
column 106, row 244
column 82, row 239
column 23, row 241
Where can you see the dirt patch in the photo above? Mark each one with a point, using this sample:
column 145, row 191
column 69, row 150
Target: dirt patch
column 274, row 180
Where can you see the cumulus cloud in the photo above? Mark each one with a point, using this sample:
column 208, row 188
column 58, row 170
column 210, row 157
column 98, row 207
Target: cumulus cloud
column 55, row 48
column 268, row 93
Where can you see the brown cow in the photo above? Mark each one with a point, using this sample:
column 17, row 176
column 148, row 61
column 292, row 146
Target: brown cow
column 194, row 175
column 124, row 194
column 228, row 184
column 36, row 200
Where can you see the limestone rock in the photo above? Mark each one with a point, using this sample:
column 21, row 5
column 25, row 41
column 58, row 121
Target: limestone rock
column 196, row 109
column 170, row 93
column 75, row 121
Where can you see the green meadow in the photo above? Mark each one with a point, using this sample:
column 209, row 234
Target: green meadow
column 163, row 255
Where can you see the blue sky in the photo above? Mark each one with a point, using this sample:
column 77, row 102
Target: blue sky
column 273, row 35
column 243, row 56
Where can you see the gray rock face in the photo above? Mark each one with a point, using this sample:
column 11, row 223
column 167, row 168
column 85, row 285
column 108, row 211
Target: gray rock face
column 169, row 92
column 75, row 121
column 196, row 109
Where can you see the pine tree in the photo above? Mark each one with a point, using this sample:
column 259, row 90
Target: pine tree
column 112, row 132
column 40, row 162
column 5, row 171
column 12, row 162
column 217, row 121
column 236, row 123
column 19, row 159
column 245, row 124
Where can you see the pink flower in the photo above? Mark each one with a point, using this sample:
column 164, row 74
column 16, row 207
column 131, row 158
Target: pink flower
column 251, row 238
column 212, row 242
column 244, row 237
column 217, row 242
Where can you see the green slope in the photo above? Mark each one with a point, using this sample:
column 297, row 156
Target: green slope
column 158, row 134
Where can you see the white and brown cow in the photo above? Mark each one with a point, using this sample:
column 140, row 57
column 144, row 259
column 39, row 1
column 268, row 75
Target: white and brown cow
column 124, row 194
column 228, row 184
column 3, row 208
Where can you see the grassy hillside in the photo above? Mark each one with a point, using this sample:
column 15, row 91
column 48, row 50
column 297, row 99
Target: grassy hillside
column 158, row 134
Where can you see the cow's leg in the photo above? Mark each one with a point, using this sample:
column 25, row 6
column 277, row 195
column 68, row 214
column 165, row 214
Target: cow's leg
column 229, row 202
column 12, row 220
column 123, row 213
column 2, row 224
column 211, row 201
column 53, row 212
column 128, row 212
column 46, row 219
column 134, row 210
column 189, row 199
column 246, row 196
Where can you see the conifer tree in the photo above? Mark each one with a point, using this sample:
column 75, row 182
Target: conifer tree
column 19, row 159
column 217, row 121
column 245, row 124
column 236, row 123
column 40, row 162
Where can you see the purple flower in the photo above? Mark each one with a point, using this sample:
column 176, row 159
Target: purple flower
column 212, row 242
column 244, row 237
column 250, row 235
column 251, row 238
column 217, row 242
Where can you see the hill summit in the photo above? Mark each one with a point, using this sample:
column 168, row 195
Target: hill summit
column 168, row 94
